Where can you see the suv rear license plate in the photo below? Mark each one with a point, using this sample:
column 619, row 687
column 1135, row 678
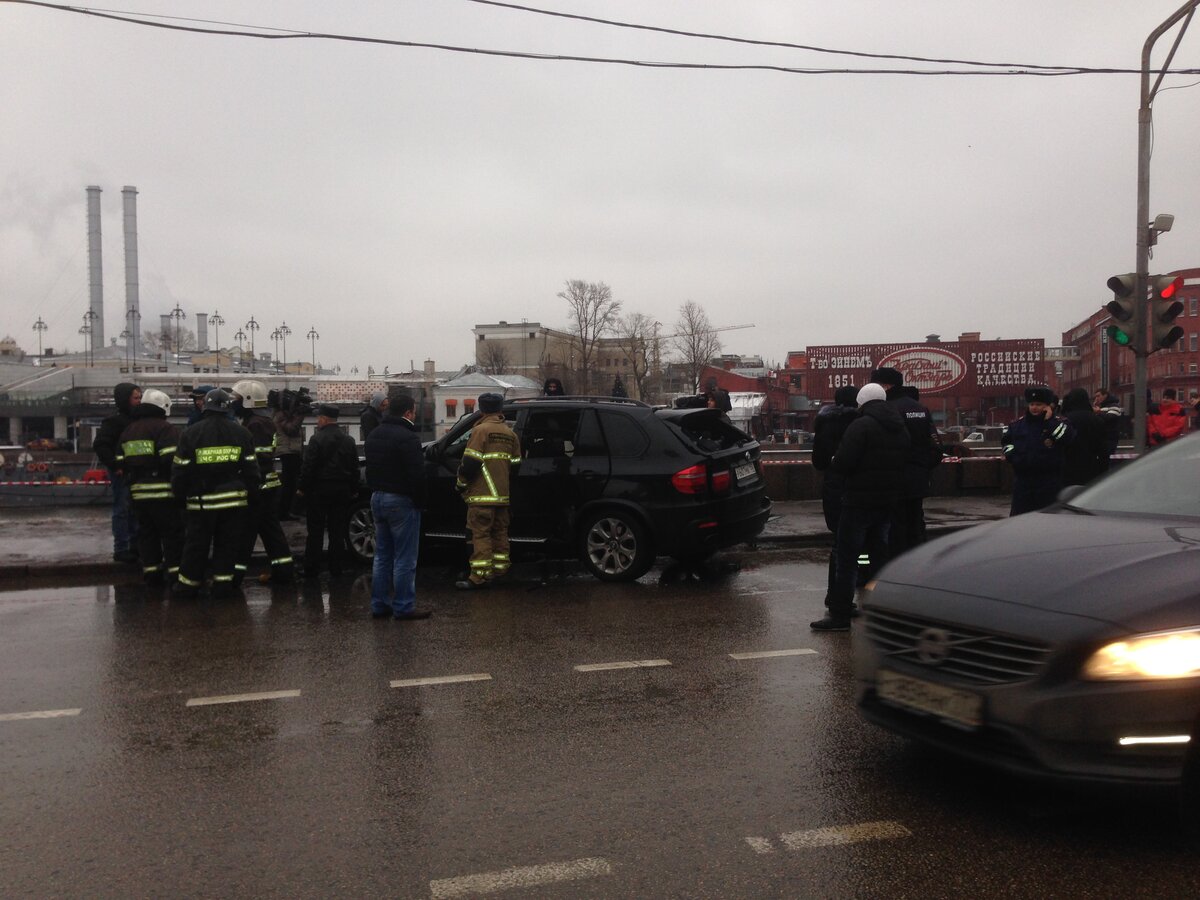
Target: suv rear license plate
column 745, row 472
column 952, row 705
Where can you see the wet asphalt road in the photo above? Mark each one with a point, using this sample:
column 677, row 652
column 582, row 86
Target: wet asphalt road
column 699, row 776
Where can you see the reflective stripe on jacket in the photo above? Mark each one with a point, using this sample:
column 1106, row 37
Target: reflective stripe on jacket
column 488, row 461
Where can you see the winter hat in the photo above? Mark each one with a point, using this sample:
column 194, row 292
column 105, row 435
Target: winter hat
column 871, row 392
column 490, row 403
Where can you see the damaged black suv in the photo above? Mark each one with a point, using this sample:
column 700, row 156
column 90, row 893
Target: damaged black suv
column 613, row 482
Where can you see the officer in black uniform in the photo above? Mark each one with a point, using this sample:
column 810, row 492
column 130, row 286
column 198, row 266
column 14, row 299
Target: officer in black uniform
column 215, row 474
column 1035, row 445
column 251, row 406
column 145, row 450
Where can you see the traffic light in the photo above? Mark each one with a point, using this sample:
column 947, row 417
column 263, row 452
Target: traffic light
column 1122, row 308
column 1165, row 307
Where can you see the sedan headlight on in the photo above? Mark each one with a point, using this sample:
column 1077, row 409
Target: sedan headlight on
column 1167, row 654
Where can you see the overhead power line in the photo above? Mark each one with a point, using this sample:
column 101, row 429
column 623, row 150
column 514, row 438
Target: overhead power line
column 281, row 34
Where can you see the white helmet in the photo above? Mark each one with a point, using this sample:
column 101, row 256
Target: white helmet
column 253, row 394
column 157, row 398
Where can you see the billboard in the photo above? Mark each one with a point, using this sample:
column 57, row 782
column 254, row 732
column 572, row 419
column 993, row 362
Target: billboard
column 957, row 368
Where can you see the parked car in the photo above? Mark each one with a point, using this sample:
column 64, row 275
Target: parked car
column 975, row 437
column 613, row 482
column 1063, row 644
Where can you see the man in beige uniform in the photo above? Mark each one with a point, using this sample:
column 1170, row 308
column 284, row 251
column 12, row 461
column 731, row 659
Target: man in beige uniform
column 483, row 480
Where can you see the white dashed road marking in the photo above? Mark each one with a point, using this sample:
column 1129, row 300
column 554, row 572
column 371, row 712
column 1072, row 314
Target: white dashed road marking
column 770, row 654
column 441, row 679
column 844, row 834
column 242, row 698
column 40, row 714
column 521, row 877
column 624, row 664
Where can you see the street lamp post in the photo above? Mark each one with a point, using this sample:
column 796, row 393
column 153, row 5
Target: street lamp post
column 313, row 337
column 89, row 319
column 40, row 327
column 275, row 358
column 178, row 315
column 252, row 327
column 284, row 331
column 216, row 321
column 240, row 336
column 132, row 319
column 86, row 330
column 125, row 336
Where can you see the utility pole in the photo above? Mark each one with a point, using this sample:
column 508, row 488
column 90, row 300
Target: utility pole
column 1141, row 285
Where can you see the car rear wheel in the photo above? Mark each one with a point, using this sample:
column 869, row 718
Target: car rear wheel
column 362, row 532
column 616, row 546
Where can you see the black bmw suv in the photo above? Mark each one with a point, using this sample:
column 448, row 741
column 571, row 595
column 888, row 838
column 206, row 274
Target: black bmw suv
column 613, row 482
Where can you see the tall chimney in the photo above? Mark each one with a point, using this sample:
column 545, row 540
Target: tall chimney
column 201, row 331
column 95, row 269
column 133, row 312
column 430, row 368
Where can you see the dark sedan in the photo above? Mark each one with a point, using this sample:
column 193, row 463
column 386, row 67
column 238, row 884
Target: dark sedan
column 1063, row 643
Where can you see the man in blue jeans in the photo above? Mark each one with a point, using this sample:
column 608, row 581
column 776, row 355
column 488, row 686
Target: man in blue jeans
column 396, row 477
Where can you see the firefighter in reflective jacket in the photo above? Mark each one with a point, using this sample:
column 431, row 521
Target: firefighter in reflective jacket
column 264, row 511
column 215, row 474
column 144, row 452
column 483, row 480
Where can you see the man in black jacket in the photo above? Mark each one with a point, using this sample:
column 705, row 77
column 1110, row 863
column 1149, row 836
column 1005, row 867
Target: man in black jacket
column 107, row 446
column 871, row 459
column 216, row 475
column 924, row 452
column 829, row 428
column 396, row 477
column 372, row 415
column 328, row 483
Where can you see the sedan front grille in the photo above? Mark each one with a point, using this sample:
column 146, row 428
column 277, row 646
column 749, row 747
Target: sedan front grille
column 976, row 656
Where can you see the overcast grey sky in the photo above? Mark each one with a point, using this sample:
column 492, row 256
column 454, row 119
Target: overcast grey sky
column 393, row 197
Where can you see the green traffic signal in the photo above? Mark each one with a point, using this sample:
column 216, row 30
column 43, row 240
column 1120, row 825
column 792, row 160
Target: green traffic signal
column 1119, row 337
column 1121, row 307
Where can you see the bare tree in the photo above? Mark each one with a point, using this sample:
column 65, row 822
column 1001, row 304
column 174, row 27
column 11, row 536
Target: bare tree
column 164, row 340
column 635, row 332
column 695, row 340
column 494, row 358
column 593, row 313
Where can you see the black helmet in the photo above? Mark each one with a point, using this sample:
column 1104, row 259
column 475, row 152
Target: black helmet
column 217, row 400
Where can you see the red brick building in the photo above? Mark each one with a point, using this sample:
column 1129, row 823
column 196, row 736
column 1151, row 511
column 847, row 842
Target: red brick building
column 964, row 382
column 1102, row 363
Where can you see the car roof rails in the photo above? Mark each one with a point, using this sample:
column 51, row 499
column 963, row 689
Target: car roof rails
column 581, row 398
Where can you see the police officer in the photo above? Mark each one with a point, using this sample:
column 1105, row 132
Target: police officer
column 215, row 474
column 145, row 450
column 483, row 480
column 1035, row 446
column 264, row 510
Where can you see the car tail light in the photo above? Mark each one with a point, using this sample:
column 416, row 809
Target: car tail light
column 695, row 480
column 692, row 480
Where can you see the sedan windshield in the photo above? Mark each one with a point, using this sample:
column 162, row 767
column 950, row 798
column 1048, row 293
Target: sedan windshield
column 1165, row 482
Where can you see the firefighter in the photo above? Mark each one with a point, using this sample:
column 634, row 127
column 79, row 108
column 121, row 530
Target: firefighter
column 263, row 511
column 215, row 474
column 483, row 481
column 144, row 452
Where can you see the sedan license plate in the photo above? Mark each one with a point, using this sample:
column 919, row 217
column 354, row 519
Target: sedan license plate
column 745, row 472
column 949, row 704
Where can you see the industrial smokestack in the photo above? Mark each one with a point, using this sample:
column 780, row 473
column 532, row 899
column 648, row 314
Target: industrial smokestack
column 201, row 331
column 95, row 269
column 133, row 312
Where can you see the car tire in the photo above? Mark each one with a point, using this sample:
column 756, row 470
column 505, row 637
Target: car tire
column 362, row 532
column 615, row 546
